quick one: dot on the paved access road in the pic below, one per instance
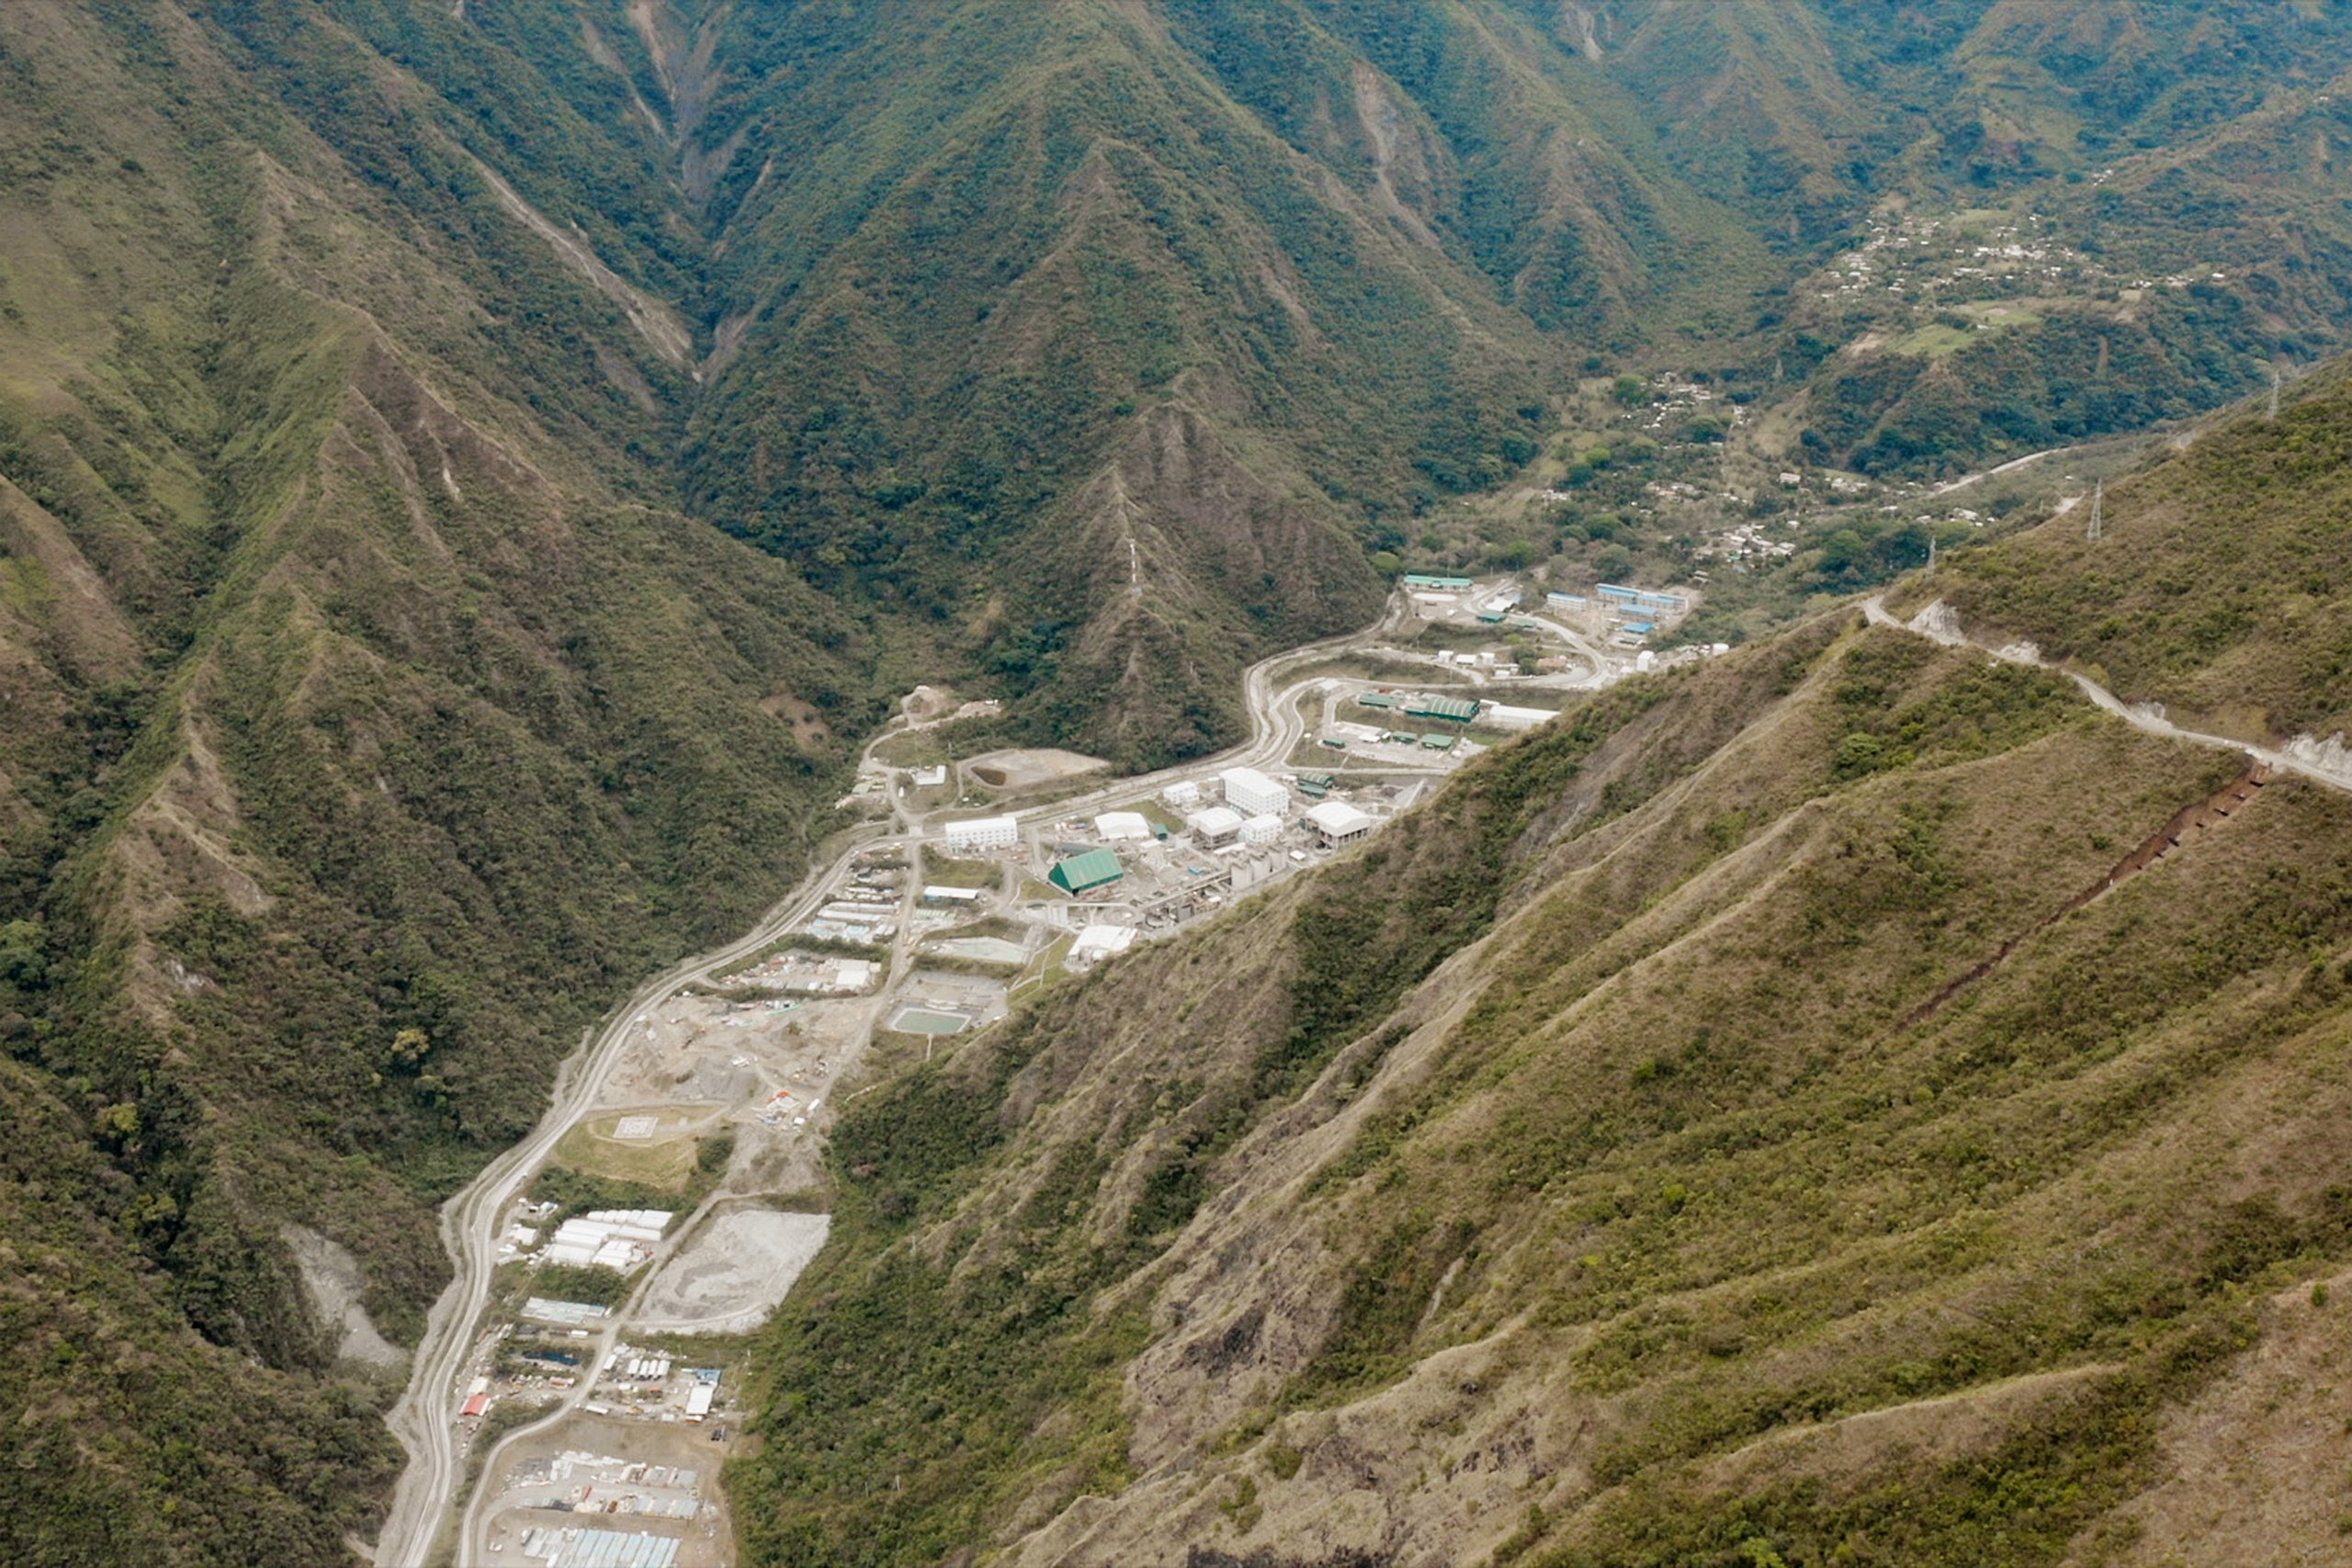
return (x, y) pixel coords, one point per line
(424, 1420)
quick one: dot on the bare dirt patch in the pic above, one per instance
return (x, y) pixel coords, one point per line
(1040, 765)
(734, 1274)
(332, 1279)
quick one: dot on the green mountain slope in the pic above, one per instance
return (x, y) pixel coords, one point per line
(366, 729)
(469, 473)
(2219, 585)
(1788, 1110)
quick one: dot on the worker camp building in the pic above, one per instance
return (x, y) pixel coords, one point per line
(982, 834)
(1082, 873)
(1252, 794)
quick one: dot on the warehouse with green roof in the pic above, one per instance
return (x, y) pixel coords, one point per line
(1085, 873)
(1459, 710)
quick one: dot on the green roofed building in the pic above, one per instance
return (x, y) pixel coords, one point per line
(1423, 579)
(1376, 699)
(1085, 873)
(1438, 742)
(1460, 710)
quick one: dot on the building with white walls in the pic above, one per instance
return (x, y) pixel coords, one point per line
(1252, 794)
(982, 833)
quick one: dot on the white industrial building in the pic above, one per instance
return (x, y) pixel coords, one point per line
(1252, 794)
(608, 1238)
(1336, 824)
(1215, 828)
(983, 833)
(1119, 826)
(931, 777)
(1183, 794)
(1100, 941)
(1504, 717)
(1265, 830)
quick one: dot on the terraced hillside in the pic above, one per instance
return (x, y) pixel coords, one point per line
(1781, 1112)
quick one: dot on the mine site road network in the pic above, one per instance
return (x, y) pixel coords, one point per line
(470, 1220)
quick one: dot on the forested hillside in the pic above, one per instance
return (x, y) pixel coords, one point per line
(367, 721)
(1805, 1108)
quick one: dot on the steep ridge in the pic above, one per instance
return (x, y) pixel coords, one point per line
(2218, 586)
(1584, 1172)
(362, 727)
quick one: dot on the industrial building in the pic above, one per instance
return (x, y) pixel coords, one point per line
(1504, 717)
(981, 834)
(1455, 710)
(1096, 942)
(1264, 829)
(1617, 597)
(619, 1239)
(1086, 872)
(1215, 828)
(931, 777)
(1336, 824)
(952, 897)
(1252, 794)
(1183, 794)
(1443, 585)
(1119, 827)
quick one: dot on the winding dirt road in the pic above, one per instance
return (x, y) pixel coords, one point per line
(1944, 628)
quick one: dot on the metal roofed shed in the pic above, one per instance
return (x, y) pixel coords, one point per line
(1086, 872)
(1336, 824)
(1424, 579)
(1459, 710)
(1118, 826)
(1376, 699)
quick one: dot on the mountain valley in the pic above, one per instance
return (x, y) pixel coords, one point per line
(1806, 1081)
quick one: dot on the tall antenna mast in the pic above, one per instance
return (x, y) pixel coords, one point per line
(2098, 512)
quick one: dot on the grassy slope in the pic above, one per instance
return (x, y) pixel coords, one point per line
(351, 692)
(1661, 1225)
(2218, 586)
